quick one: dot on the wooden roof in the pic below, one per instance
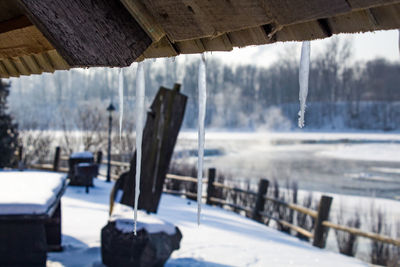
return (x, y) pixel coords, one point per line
(48, 35)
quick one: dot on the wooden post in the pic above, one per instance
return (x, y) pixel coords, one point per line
(320, 231)
(99, 157)
(20, 151)
(210, 185)
(56, 162)
(260, 200)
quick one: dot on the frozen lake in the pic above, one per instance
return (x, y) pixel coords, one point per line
(365, 164)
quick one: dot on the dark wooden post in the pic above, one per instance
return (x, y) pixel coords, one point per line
(320, 231)
(260, 201)
(99, 157)
(210, 185)
(56, 162)
(20, 151)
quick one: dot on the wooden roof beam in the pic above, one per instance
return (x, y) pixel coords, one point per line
(89, 33)
(14, 24)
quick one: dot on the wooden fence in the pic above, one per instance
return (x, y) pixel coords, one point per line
(321, 216)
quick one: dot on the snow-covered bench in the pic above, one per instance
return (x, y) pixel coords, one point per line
(30, 216)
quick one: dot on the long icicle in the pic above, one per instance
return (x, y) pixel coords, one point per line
(121, 100)
(303, 80)
(140, 96)
(201, 132)
(399, 41)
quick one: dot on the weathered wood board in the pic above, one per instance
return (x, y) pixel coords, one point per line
(89, 33)
(163, 123)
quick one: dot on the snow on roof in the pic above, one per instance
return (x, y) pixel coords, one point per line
(123, 217)
(28, 192)
(84, 154)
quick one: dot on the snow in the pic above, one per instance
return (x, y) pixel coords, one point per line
(201, 132)
(28, 192)
(140, 111)
(303, 79)
(121, 100)
(84, 154)
(223, 239)
(124, 221)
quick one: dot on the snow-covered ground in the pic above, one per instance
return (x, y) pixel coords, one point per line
(223, 238)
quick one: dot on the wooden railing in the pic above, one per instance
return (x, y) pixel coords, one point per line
(258, 213)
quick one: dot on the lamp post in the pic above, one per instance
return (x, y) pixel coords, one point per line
(110, 109)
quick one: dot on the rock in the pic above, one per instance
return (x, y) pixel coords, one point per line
(119, 249)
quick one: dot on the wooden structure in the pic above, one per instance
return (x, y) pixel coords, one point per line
(48, 35)
(26, 238)
(160, 133)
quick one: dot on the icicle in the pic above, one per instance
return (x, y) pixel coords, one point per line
(140, 111)
(201, 133)
(121, 101)
(303, 79)
(399, 41)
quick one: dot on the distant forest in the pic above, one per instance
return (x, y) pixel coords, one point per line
(342, 94)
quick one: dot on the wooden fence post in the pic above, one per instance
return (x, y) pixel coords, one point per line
(320, 231)
(56, 162)
(260, 200)
(20, 151)
(99, 157)
(210, 185)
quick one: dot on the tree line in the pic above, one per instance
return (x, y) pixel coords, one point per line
(342, 93)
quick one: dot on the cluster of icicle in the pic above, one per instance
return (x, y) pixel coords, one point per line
(140, 111)
(201, 132)
(303, 79)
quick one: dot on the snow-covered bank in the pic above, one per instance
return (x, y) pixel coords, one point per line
(223, 238)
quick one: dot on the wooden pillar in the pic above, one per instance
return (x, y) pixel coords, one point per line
(210, 185)
(260, 200)
(320, 231)
(56, 162)
(99, 157)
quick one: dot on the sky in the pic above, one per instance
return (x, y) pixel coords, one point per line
(366, 46)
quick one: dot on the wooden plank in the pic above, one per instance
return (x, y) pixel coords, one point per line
(89, 33)
(139, 11)
(9, 9)
(43, 62)
(57, 61)
(224, 202)
(14, 24)
(358, 232)
(239, 190)
(200, 18)
(287, 12)
(21, 66)
(10, 67)
(363, 4)
(384, 18)
(33, 65)
(162, 48)
(295, 207)
(21, 42)
(159, 137)
(3, 71)
(251, 36)
(301, 32)
(289, 225)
